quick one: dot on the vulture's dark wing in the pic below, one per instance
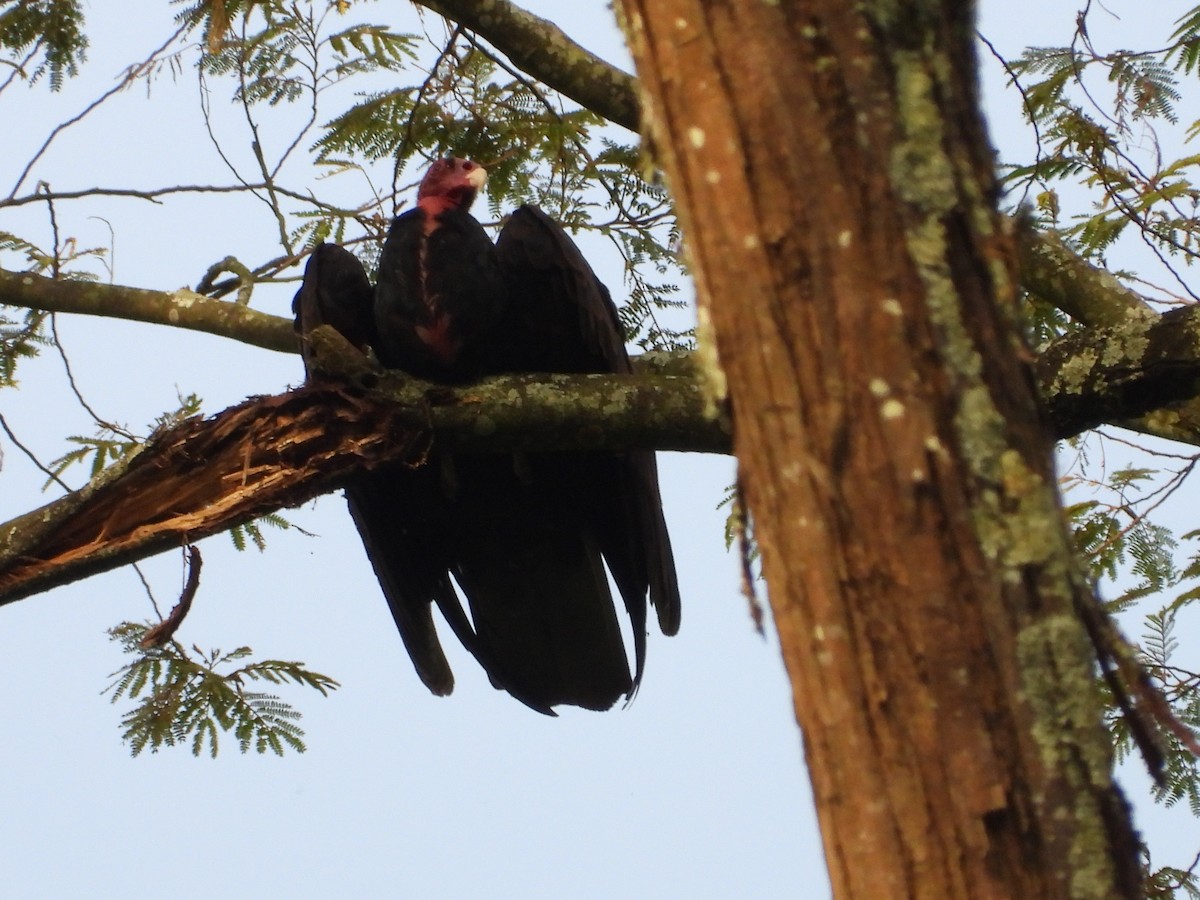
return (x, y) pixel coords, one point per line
(336, 292)
(542, 619)
(524, 535)
(391, 506)
(562, 319)
(402, 521)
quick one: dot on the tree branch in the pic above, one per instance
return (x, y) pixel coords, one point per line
(1121, 372)
(1132, 367)
(208, 475)
(541, 49)
(1087, 294)
(182, 308)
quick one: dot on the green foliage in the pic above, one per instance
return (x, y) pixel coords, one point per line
(1121, 544)
(1181, 772)
(1104, 121)
(278, 60)
(104, 449)
(20, 338)
(185, 699)
(252, 531)
(112, 444)
(1168, 881)
(1086, 105)
(45, 34)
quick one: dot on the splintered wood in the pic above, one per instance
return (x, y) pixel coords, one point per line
(205, 476)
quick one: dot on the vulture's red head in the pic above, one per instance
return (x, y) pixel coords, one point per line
(450, 183)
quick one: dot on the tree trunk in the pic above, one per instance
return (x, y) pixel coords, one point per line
(836, 192)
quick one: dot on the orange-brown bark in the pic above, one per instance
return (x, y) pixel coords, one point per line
(205, 476)
(836, 193)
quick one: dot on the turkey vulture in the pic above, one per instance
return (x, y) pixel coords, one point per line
(525, 535)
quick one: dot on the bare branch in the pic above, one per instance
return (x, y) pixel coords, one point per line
(541, 49)
(153, 194)
(165, 630)
(1087, 294)
(208, 475)
(131, 74)
(182, 308)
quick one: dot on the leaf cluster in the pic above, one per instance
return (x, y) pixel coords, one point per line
(1097, 116)
(285, 54)
(23, 337)
(190, 699)
(43, 36)
(1103, 121)
(1121, 544)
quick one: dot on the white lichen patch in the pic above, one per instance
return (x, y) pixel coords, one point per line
(1131, 346)
(618, 402)
(1073, 374)
(184, 299)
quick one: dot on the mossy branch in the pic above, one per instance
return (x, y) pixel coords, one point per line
(1123, 372)
(540, 48)
(208, 475)
(1089, 295)
(182, 308)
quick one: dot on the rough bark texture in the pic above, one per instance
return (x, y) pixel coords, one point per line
(836, 194)
(1132, 368)
(208, 475)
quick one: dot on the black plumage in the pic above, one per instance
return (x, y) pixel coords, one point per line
(525, 536)
(337, 292)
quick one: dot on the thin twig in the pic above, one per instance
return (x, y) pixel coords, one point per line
(99, 420)
(130, 76)
(165, 630)
(16, 443)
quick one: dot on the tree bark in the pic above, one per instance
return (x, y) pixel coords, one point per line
(208, 475)
(836, 194)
